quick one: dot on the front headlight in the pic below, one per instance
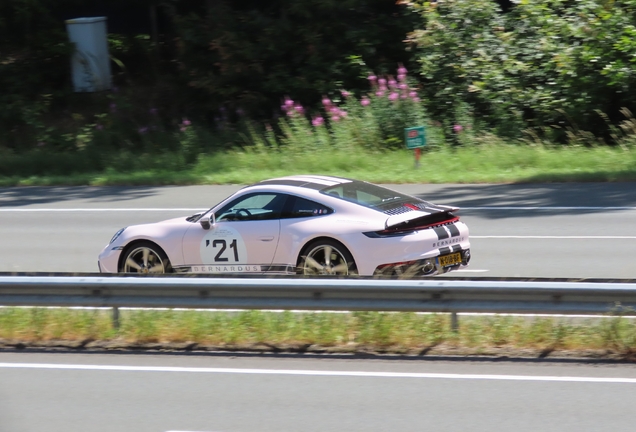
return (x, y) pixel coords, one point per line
(117, 234)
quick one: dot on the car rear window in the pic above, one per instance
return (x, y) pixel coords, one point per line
(368, 195)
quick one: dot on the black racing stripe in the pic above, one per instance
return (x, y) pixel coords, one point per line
(444, 251)
(279, 268)
(453, 230)
(456, 248)
(298, 183)
(441, 233)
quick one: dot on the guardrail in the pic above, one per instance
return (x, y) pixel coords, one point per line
(429, 295)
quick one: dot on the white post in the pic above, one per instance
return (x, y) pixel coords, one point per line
(90, 64)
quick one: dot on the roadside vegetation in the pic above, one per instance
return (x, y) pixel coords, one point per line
(373, 332)
(491, 162)
(508, 91)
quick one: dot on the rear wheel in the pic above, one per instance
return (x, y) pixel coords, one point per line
(145, 258)
(326, 257)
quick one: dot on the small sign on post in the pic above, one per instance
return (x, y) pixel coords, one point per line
(415, 138)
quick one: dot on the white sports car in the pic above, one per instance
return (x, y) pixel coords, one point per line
(311, 225)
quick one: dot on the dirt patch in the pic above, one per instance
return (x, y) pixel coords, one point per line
(441, 350)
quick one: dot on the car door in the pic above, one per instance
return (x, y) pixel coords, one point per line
(243, 239)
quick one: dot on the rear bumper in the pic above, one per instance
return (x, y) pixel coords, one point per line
(422, 267)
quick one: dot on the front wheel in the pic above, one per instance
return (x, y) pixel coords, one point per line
(326, 257)
(145, 258)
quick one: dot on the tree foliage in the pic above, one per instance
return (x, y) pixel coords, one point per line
(545, 63)
(248, 54)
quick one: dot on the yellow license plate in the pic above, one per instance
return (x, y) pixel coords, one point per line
(450, 260)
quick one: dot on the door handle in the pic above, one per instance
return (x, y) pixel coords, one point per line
(266, 238)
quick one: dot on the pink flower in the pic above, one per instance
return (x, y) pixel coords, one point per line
(402, 70)
(458, 128)
(372, 78)
(401, 78)
(392, 83)
(183, 128)
(404, 86)
(326, 101)
(382, 81)
(413, 93)
(289, 103)
(416, 99)
(343, 114)
(365, 101)
(186, 122)
(393, 96)
(335, 118)
(345, 93)
(334, 110)
(379, 93)
(299, 108)
(317, 121)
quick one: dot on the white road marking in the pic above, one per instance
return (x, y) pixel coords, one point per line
(556, 237)
(470, 271)
(362, 374)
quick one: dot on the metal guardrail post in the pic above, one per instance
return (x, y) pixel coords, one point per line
(116, 322)
(454, 322)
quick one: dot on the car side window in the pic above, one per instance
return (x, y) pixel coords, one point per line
(253, 207)
(301, 207)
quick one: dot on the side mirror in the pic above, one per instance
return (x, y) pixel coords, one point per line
(207, 220)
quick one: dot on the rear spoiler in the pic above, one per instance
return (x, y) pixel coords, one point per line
(402, 218)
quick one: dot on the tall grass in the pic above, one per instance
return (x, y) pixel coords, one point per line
(491, 162)
(383, 332)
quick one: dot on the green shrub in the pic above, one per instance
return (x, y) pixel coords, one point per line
(548, 65)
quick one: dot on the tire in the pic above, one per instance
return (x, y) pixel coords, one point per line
(144, 258)
(326, 257)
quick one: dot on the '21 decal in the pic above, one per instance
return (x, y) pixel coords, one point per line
(223, 245)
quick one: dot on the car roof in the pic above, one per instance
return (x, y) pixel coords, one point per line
(316, 182)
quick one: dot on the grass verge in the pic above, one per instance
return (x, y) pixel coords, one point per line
(396, 333)
(484, 163)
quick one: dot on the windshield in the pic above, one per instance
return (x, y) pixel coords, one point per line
(369, 195)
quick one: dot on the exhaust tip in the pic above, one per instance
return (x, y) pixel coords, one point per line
(466, 257)
(428, 266)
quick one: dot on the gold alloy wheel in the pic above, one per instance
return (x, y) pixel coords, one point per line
(326, 258)
(144, 260)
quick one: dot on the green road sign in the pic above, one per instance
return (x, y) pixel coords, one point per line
(415, 137)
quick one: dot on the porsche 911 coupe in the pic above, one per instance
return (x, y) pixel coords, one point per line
(304, 224)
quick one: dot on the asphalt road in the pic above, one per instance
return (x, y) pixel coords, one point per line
(153, 393)
(546, 230)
